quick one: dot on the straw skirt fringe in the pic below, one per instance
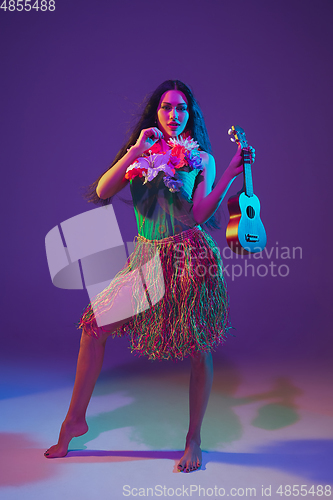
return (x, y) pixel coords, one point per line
(176, 292)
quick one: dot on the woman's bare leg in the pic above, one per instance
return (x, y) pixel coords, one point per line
(89, 364)
(200, 386)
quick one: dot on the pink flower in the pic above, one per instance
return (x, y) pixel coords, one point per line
(179, 153)
(155, 148)
(174, 161)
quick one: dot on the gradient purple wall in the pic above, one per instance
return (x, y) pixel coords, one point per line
(70, 83)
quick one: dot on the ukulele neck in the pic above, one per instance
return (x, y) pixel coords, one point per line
(248, 184)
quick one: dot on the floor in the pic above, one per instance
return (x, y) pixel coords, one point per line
(268, 429)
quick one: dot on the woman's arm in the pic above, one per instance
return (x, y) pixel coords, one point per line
(206, 201)
(113, 180)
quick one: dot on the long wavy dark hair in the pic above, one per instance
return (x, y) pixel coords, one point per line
(195, 126)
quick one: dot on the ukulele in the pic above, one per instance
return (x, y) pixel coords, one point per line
(245, 231)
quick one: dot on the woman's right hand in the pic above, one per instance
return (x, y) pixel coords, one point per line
(147, 138)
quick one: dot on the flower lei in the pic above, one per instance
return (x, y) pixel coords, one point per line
(183, 152)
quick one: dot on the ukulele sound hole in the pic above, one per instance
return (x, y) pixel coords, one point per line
(250, 212)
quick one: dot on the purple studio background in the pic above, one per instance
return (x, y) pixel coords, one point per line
(70, 87)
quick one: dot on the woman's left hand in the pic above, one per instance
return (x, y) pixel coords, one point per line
(236, 164)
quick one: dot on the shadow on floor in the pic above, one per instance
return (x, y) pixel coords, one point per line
(311, 459)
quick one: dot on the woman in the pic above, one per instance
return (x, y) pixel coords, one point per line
(171, 172)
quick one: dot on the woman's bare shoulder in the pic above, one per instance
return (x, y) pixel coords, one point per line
(206, 157)
(208, 162)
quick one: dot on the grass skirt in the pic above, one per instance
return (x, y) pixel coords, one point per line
(173, 293)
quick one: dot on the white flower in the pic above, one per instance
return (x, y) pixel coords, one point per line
(188, 143)
(154, 164)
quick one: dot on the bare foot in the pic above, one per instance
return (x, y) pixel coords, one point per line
(192, 458)
(67, 432)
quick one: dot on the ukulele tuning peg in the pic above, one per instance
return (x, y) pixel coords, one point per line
(232, 135)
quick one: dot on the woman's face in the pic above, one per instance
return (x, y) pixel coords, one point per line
(172, 113)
